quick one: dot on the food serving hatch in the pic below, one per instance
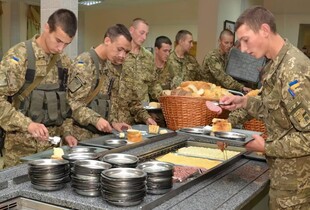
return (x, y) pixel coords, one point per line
(193, 180)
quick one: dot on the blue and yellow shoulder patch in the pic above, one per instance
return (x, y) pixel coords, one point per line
(14, 60)
(80, 63)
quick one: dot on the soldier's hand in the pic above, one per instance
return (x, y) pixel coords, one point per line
(121, 126)
(71, 141)
(246, 89)
(150, 121)
(234, 102)
(257, 145)
(38, 130)
(103, 125)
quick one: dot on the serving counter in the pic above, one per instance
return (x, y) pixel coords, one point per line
(238, 185)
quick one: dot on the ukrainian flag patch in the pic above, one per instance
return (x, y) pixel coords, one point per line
(80, 63)
(14, 60)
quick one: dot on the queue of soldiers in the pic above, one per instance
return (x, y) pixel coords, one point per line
(44, 93)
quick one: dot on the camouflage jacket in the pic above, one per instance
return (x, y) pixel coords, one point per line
(140, 74)
(163, 77)
(213, 68)
(285, 109)
(182, 69)
(123, 98)
(12, 77)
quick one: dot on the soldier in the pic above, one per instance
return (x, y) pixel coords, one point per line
(95, 91)
(33, 74)
(215, 62)
(181, 64)
(139, 72)
(284, 107)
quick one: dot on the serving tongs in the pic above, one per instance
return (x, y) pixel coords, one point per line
(54, 140)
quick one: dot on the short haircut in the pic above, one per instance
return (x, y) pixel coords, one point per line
(254, 17)
(118, 30)
(226, 32)
(65, 19)
(162, 40)
(181, 34)
(136, 22)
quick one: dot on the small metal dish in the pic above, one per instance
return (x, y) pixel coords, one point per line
(155, 166)
(124, 173)
(80, 156)
(115, 142)
(82, 150)
(194, 130)
(231, 135)
(120, 159)
(47, 162)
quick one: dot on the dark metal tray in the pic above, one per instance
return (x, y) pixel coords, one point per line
(254, 156)
(49, 153)
(227, 140)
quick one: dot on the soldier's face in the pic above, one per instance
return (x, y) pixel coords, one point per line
(163, 52)
(226, 43)
(187, 43)
(118, 49)
(56, 41)
(252, 42)
(139, 33)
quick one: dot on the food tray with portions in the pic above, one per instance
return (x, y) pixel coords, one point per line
(102, 140)
(210, 135)
(48, 153)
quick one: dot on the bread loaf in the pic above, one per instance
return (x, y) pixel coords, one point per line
(220, 125)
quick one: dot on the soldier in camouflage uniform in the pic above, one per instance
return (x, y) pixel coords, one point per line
(139, 71)
(284, 107)
(28, 128)
(94, 114)
(214, 63)
(183, 66)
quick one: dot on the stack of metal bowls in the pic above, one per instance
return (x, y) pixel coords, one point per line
(78, 149)
(119, 160)
(72, 157)
(123, 186)
(86, 176)
(48, 174)
(159, 176)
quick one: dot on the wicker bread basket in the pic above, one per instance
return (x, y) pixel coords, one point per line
(255, 125)
(185, 111)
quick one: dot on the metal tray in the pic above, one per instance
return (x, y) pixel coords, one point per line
(240, 143)
(196, 130)
(231, 135)
(254, 156)
(48, 153)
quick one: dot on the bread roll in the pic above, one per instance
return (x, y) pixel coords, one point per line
(221, 125)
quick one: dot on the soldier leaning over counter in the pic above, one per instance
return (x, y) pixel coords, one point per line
(283, 106)
(33, 75)
(183, 66)
(95, 91)
(215, 62)
(139, 73)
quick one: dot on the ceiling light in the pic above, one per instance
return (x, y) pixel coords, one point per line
(89, 2)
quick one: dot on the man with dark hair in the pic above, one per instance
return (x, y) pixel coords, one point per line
(181, 64)
(139, 74)
(214, 64)
(33, 76)
(284, 107)
(94, 85)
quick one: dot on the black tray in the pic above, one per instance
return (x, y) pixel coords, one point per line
(254, 156)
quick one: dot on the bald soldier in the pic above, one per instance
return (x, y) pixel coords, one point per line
(95, 91)
(33, 75)
(214, 64)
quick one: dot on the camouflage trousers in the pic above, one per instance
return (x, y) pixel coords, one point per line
(83, 134)
(287, 200)
(21, 144)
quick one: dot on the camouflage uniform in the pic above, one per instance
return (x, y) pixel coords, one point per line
(164, 77)
(238, 117)
(213, 67)
(83, 69)
(18, 142)
(286, 113)
(183, 69)
(139, 72)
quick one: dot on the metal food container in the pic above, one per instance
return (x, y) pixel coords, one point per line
(121, 160)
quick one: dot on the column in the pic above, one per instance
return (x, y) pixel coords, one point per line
(48, 7)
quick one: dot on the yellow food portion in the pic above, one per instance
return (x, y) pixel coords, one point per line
(154, 104)
(57, 153)
(163, 131)
(121, 135)
(188, 161)
(153, 129)
(207, 152)
(221, 125)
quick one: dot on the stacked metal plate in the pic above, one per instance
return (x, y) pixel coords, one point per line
(159, 176)
(76, 155)
(48, 174)
(120, 160)
(86, 176)
(123, 186)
